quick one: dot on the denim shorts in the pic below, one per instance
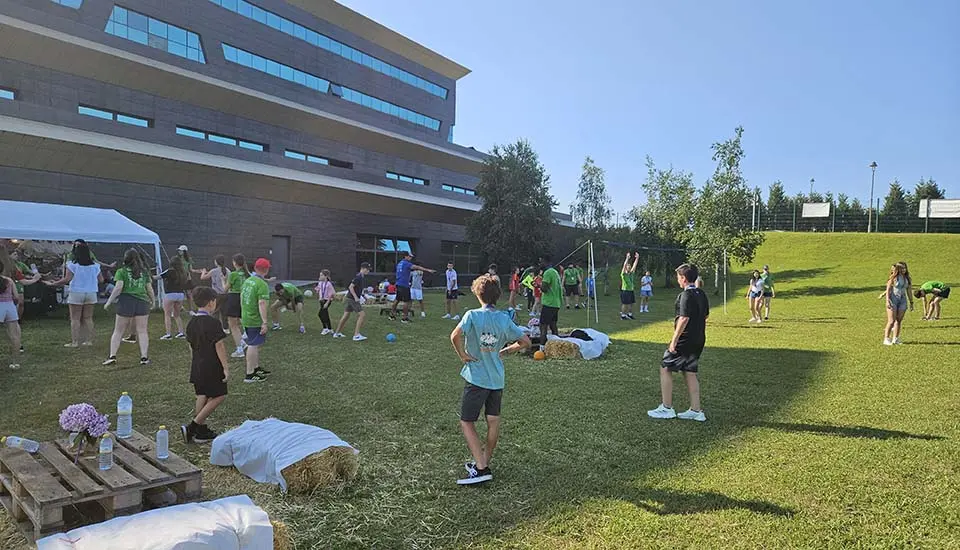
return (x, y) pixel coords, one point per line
(897, 303)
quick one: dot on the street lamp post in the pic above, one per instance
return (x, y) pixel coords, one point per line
(811, 187)
(873, 176)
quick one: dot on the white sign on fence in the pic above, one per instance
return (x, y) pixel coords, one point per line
(940, 208)
(816, 210)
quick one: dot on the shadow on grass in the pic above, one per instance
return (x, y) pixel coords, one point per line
(668, 503)
(796, 274)
(931, 343)
(845, 431)
(825, 291)
(750, 327)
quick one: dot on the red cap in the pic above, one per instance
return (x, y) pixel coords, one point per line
(261, 263)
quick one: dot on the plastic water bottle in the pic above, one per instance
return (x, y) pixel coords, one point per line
(106, 452)
(512, 314)
(15, 442)
(163, 443)
(124, 416)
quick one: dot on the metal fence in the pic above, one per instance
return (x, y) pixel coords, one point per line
(788, 217)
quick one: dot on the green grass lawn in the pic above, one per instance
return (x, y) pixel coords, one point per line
(818, 436)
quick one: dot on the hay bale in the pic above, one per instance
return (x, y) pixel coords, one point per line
(332, 466)
(561, 349)
(282, 539)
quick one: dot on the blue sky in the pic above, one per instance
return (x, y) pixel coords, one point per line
(821, 87)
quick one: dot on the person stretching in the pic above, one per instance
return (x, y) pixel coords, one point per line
(932, 293)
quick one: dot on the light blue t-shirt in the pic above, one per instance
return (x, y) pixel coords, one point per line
(486, 331)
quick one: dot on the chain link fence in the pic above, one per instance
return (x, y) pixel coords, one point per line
(788, 217)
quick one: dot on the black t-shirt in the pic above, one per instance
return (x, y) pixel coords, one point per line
(692, 303)
(203, 333)
(357, 283)
(175, 282)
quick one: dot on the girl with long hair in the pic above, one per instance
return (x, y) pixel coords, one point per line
(755, 297)
(133, 294)
(184, 254)
(218, 282)
(231, 308)
(82, 273)
(9, 298)
(176, 287)
(514, 286)
(897, 293)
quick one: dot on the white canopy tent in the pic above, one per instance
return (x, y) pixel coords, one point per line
(58, 222)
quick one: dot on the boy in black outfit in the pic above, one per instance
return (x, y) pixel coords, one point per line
(209, 370)
(683, 353)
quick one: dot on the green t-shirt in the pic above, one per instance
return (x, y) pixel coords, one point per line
(767, 280)
(236, 279)
(254, 289)
(134, 287)
(627, 281)
(552, 293)
(930, 285)
(291, 291)
(571, 276)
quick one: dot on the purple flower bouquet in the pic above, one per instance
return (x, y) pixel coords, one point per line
(85, 424)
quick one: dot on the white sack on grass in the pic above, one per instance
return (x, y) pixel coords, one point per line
(261, 449)
(588, 349)
(234, 523)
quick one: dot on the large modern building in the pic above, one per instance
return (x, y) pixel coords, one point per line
(297, 129)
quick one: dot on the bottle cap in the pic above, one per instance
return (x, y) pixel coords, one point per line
(3, 439)
(162, 427)
(123, 393)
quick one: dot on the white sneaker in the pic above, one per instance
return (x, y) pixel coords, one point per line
(423, 314)
(456, 317)
(359, 338)
(237, 353)
(325, 332)
(662, 412)
(897, 342)
(447, 316)
(691, 414)
(339, 335)
(887, 342)
(753, 319)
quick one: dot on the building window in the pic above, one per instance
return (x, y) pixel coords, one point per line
(114, 116)
(450, 134)
(381, 252)
(407, 179)
(272, 68)
(157, 34)
(290, 74)
(7, 93)
(318, 160)
(75, 4)
(222, 139)
(460, 190)
(318, 40)
(465, 256)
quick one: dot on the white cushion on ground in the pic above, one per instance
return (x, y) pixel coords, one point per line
(234, 523)
(588, 349)
(262, 448)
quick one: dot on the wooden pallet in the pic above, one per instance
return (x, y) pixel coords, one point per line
(47, 493)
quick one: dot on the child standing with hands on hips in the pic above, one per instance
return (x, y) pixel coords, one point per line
(479, 341)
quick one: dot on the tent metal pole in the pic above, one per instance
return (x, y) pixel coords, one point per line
(159, 301)
(724, 281)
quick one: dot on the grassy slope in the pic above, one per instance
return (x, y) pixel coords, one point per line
(818, 436)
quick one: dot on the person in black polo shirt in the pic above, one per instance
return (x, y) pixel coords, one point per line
(683, 354)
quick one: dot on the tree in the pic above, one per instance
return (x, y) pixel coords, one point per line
(664, 220)
(776, 203)
(925, 189)
(592, 210)
(895, 206)
(718, 224)
(514, 224)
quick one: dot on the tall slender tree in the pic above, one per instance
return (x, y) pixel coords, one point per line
(591, 210)
(776, 205)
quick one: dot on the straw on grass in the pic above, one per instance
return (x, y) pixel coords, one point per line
(282, 539)
(561, 349)
(332, 466)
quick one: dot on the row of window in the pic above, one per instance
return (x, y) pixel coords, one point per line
(317, 160)
(382, 253)
(407, 179)
(461, 190)
(146, 30)
(6, 93)
(115, 116)
(75, 4)
(323, 86)
(225, 140)
(466, 257)
(314, 38)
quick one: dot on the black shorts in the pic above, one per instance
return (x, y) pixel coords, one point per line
(476, 398)
(571, 290)
(767, 294)
(627, 297)
(453, 294)
(210, 388)
(130, 306)
(231, 308)
(549, 317)
(685, 360)
(403, 294)
(945, 292)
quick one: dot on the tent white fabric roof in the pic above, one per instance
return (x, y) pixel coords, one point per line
(57, 222)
